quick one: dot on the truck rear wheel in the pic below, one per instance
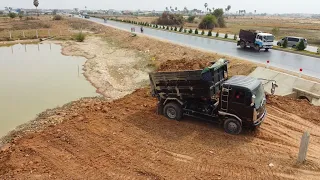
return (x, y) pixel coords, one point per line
(242, 44)
(173, 110)
(232, 126)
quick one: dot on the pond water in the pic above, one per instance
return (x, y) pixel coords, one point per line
(37, 77)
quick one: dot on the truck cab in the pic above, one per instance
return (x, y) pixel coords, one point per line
(243, 98)
(255, 39)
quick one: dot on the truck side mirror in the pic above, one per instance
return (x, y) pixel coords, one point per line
(273, 88)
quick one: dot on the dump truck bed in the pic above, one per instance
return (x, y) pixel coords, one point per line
(188, 84)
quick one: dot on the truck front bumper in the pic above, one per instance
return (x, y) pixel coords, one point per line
(267, 47)
(261, 119)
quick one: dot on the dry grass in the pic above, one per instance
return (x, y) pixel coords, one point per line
(45, 26)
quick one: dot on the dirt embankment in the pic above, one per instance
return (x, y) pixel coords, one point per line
(125, 139)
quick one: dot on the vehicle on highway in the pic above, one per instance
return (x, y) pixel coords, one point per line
(255, 39)
(86, 16)
(209, 95)
(292, 41)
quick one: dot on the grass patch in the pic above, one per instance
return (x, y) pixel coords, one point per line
(80, 37)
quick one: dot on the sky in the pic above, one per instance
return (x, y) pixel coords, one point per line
(267, 6)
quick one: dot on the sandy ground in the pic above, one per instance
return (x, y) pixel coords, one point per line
(115, 72)
(125, 139)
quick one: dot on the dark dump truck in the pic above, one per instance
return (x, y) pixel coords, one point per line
(255, 39)
(209, 95)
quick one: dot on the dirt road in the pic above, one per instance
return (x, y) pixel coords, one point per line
(125, 139)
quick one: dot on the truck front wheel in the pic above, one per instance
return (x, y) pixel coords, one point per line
(173, 110)
(232, 126)
(257, 47)
(242, 44)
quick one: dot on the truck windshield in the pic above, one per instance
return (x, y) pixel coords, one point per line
(268, 38)
(259, 93)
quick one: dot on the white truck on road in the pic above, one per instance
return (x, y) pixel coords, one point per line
(255, 39)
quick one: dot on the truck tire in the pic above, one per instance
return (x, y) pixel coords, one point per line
(242, 44)
(266, 50)
(173, 111)
(232, 126)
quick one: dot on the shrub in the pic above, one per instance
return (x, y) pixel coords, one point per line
(285, 43)
(170, 19)
(181, 28)
(210, 33)
(191, 19)
(175, 28)
(217, 34)
(12, 15)
(202, 33)
(218, 13)
(21, 14)
(185, 30)
(80, 37)
(275, 31)
(30, 18)
(226, 36)
(196, 31)
(208, 22)
(235, 37)
(167, 28)
(57, 17)
(190, 31)
(156, 25)
(301, 46)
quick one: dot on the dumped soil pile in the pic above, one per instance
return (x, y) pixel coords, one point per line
(300, 107)
(125, 139)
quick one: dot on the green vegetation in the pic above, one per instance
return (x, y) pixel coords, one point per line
(12, 15)
(190, 31)
(301, 46)
(21, 13)
(210, 33)
(196, 31)
(275, 31)
(185, 30)
(170, 19)
(285, 43)
(208, 22)
(217, 34)
(202, 33)
(226, 36)
(80, 37)
(218, 13)
(181, 28)
(235, 37)
(167, 28)
(175, 28)
(191, 19)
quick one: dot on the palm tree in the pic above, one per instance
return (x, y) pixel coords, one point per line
(205, 5)
(228, 8)
(36, 4)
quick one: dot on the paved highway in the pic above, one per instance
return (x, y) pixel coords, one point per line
(279, 59)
